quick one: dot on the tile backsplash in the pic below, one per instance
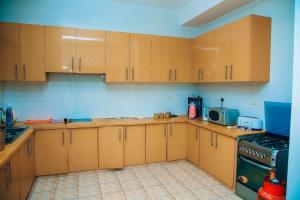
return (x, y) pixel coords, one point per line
(88, 96)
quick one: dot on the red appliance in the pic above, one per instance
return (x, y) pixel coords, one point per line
(272, 189)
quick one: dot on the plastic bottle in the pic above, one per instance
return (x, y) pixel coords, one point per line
(9, 117)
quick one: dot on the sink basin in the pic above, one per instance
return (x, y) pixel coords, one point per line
(13, 133)
(80, 120)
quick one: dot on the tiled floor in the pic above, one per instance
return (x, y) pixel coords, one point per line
(173, 180)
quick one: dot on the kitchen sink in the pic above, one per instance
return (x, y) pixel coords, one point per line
(13, 133)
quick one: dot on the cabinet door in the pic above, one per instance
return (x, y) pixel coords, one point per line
(176, 141)
(225, 159)
(134, 145)
(13, 180)
(203, 57)
(162, 59)
(51, 152)
(91, 51)
(193, 142)
(60, 49)
(182, 60)
(111, 147)
(32, 39)
(3, 181)
(240, 40)
(117, 57)
(156, 143)
(222, 49)
(27, 167)
(83, 149)
(140, 58)
(9, 51)
(207, 151)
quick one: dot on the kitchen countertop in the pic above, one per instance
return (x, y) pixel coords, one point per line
(11, 148)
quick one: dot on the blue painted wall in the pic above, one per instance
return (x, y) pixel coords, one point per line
(97, 14)
(249, 98)
(294, 156)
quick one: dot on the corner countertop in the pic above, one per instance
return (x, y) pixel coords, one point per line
(10, 149)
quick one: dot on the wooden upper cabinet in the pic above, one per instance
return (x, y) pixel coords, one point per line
(250, 43)
(90, 51)
(32, 39)
(111, 147)
(51, 152)
(9, 51)
(117, 57)
(162, 59)
(156, 143)
(134, 145)
(182, 50)
(140, 58)
(83, 149)
(60, 49)
(176, 141)
(203, 58)
(222, 52)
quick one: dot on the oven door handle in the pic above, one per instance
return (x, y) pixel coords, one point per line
(254, 163)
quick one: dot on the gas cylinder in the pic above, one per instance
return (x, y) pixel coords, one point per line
(272, 189)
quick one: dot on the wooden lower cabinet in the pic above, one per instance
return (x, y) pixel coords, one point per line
(51, 152)
(176, 147)
(27, 167)
(134, 145)
(111, 147)
(217, 155)
(83, 149)
(193, 144)
(156, 143)
(10, 179)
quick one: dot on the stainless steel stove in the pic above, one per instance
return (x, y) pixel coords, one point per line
(260, 154)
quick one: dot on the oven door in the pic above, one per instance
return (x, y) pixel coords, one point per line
(250, 173)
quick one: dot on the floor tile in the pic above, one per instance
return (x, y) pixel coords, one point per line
(110, 187)
(166, 178)
(130, 184)
(88, 190)
(143, 172)
(221, 190)
(166, 197)
(126, 176)
(187, 195)
(44, 184)
(149, 181)
(42, 196)
(193, 184)
(175, 187)
(231, 197)
(67, 182)
(204, 193)
(136, 194)
(114, 196)
(107, 177)
(156, 191)
(65, 194)
(184, 176)
(98, 197)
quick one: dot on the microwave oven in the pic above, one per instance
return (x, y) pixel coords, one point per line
(223, 116)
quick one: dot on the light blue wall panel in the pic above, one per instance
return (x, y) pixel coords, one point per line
(249, 98)
(88, 96)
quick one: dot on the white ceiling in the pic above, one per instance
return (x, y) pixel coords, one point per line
(165, 4)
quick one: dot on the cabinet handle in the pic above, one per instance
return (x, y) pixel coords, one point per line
(24, 72)
(9, 174)
(175, 75)
(216, 144)
(79, 67)
(198, 74)
(16, 72)
(171, 131)
(63, 138)
(126, 74)
(196, 133)
(120, 132)
(71, 137)
(165, 130)
(231, 72)
(29, 147)
(202, 76)
(125, 133)
(226, 72)
(72, 64)
(6, 176)
(133, 74)
(211, 139)
(170, 75)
